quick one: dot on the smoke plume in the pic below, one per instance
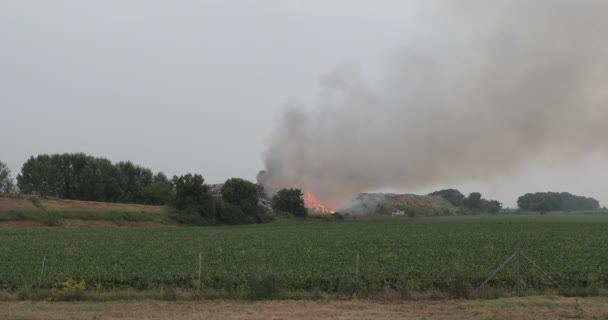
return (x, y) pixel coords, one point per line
(481, 89)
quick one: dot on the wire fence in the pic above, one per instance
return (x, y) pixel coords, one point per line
(466, 285)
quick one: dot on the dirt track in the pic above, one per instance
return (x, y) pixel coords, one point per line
(524, 308)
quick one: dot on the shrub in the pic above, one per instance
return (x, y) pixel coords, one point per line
(290, 200)
(229, 213)
(72, 285)
(242, 194)
(262, 286)
(52, 219)
(188, 217)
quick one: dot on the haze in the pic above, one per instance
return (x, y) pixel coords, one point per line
(198, 86)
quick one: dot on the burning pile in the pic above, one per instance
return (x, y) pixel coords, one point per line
(313, 204)
(310, 200)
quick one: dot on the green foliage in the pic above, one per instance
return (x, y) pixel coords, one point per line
(263, 214)
(132, 181)
(7, 185)
(452, 254)
(194, 204)
(242, 194)
(192, 195)
(81, 177)
(52, 219)
(229, 213)
(188, 216)
(160, 192)
(473, 203)
(553, 201)
(290, 200)
(452, 195)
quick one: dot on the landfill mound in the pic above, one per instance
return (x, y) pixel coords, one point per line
(390, 204)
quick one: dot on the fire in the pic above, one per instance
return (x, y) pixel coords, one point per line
(313, 203)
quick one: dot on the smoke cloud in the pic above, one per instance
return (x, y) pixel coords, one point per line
(481, 89)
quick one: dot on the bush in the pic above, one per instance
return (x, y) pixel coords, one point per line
(229, 213)
(191, 194)
(242, 194)
(459, 286)
(290, 200)
(263, 286)
(188, 216)
(264, 214)
(52, 219)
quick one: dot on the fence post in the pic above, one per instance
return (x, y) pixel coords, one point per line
(357, 266)
(519, 291)
(41, 272)
(200, 270)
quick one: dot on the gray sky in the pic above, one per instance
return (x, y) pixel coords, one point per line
(195, 86)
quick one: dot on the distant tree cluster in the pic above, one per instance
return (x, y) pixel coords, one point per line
(554, 201)
(474, 202)
(78, 176)
(453, 196)
(7, 185)
(195, 205)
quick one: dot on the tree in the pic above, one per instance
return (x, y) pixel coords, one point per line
(290, 200)
(160, 192)
(6, 181)
(191, 193)
(241, 193)
(452, 195)
(492, 206)
(132, 180)
(40, 176)
(473, 201)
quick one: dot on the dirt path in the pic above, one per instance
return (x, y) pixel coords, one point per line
(523, 308)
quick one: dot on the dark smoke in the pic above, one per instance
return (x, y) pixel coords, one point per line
(482, 89)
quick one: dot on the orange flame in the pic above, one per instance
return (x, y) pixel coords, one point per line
(313, 203)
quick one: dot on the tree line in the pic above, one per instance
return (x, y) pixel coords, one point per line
(78, 176)
(554, 201)
(473, 203)
(237, 204)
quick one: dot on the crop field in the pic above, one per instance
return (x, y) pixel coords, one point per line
(444, 253)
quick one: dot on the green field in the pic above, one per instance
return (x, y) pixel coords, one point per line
(445, 253)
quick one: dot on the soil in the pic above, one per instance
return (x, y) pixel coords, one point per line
(510, 308)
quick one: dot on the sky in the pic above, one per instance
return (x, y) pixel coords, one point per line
(197, 86)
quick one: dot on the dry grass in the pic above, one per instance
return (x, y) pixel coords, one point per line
(16, 204)
(91, 206)
(30, 212)
(29, 204)
(513, 308)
